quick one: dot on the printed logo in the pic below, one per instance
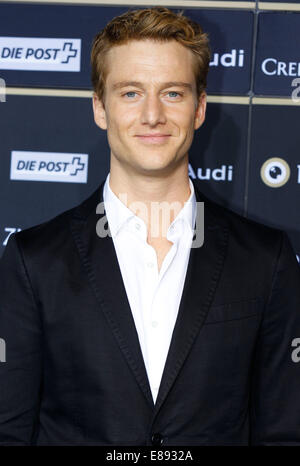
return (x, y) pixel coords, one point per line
(218, 174)
(275, 172)
(49, 166)
(274, 67)
(233, 59)
(40, 54)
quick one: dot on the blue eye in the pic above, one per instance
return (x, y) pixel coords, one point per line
(130, 92)
(174, 92)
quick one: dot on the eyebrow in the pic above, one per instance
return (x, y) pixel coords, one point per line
(121, 84)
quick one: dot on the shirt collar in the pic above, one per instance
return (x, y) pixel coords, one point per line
(118, 214)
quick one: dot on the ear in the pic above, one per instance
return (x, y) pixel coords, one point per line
(200, 111)
(99, 112)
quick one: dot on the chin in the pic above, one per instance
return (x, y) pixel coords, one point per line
(154, 169)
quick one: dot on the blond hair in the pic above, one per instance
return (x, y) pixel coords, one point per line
(159, 24)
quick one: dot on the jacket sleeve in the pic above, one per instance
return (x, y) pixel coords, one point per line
(275, 382)
(21, 359)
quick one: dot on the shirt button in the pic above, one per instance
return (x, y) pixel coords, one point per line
(150, 265)
(154, 323)
(157, 439)
(137, 226)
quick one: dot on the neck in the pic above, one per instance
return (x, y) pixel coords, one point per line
(156, 199)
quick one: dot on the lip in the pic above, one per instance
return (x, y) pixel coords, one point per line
(153, 138)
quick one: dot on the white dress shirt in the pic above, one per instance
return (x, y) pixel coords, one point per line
(153, 296)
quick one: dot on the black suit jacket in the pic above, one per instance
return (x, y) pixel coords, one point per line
(74, 371)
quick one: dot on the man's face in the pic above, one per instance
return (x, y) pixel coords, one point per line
(150, 107)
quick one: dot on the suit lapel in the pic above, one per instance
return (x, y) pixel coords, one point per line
(101, 265)
(203, 273)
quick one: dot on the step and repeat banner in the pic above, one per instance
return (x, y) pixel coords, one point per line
(246, 155)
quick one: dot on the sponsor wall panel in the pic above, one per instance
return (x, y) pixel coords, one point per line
(230, 33)
(274, 194)
(218, 154)
(75, 25)
(49, 45)
(277, 53)
(63, 127)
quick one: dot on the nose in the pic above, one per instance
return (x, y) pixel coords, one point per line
(152, 111)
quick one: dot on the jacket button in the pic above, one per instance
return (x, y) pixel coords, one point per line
(157, 439)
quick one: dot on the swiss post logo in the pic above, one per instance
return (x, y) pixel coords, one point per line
(40, 54)
(49, 166)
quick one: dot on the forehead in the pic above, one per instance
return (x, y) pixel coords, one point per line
(150, 59)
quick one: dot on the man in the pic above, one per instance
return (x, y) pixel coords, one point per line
(118, 331)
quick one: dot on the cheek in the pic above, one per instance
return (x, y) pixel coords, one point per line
(116, 123)
(118, 130)
(183, 117)
(185, 128)
(121, 120)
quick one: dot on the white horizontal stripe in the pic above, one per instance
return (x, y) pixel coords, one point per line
(279, 6)
(175, 3)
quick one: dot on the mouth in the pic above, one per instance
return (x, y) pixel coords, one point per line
(153, 138)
